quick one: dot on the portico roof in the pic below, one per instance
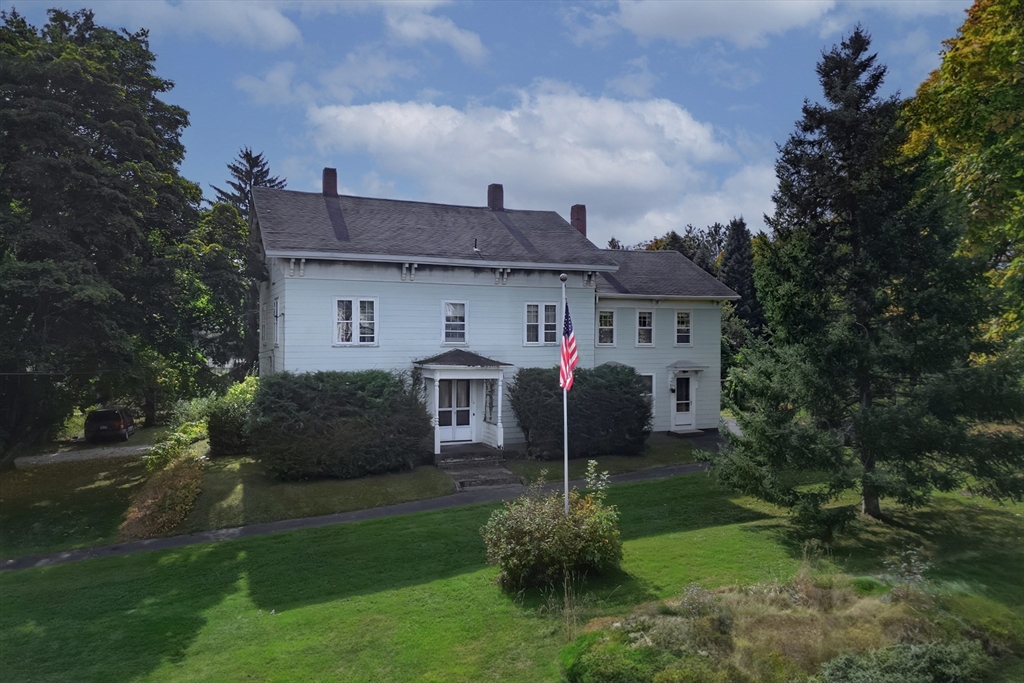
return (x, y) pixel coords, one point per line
(462, 359)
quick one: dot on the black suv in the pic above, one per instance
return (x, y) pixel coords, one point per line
(109, 423)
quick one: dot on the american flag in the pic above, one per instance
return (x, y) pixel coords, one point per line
(569, 357)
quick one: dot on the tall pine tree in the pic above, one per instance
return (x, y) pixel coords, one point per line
(247, 171)
(737, 272)
(867, 381)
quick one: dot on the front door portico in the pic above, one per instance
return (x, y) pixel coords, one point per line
(464, 395)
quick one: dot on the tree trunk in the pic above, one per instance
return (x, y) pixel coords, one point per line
(869, 500)
(149, 406)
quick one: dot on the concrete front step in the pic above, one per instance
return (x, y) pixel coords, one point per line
(447, 463)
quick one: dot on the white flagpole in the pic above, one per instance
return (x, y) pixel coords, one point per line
(565, 407)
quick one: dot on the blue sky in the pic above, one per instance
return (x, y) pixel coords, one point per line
(653, 113)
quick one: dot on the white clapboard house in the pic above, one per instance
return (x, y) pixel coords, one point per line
(468, 294)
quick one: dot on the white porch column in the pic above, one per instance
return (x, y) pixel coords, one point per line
(434, 420)
(501, 392)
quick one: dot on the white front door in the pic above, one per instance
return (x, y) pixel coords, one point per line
(682, 406)
(454, 416)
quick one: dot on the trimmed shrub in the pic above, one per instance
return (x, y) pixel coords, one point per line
(608, 411)
(192, 410)
(958, 662)
(535, 544)
(337, 424)
(228, 418)
(165, 500)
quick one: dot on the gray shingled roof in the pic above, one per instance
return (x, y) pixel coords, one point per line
(461, 358)
(308, 222)
(659, 273)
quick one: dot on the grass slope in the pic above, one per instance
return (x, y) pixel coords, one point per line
(411, 599)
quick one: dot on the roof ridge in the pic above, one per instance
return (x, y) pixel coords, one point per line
(402, 201)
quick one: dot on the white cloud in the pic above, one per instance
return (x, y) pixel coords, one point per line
(250, 22)
(744, 23)
(727, 74)
(636, 82)
(637, 164)
(363, 72)
(276, 87)
(410, 25)
(366, 72)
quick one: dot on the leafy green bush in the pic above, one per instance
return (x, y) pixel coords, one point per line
(337, 424)
(958, 662)
(599, 658)
(174, 444)
(192, 410)
(608, 411)
(535, 544)
(228, 417)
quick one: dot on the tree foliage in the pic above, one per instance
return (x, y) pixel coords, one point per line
(867, 383)
(970, 114)
(737, 272)
(249, 170)
(703, 247)
(92, 206)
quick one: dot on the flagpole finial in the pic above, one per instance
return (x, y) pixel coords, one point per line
(563, 277)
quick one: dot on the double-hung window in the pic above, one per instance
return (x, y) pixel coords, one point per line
(682, 328)
(454, 322)
(645, 328)
(541, 323)
(606, 328)
(355, 322)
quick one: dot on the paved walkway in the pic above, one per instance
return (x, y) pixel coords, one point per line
(441, 503)
(83, 454)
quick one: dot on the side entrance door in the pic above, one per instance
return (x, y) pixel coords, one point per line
(682, 406)
(454, 417)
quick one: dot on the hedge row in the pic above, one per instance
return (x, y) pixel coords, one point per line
(338, 424)
(609, 412)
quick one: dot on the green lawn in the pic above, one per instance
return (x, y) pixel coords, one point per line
(411, 599)
(65, 505)
(236, 492)
(660, 451)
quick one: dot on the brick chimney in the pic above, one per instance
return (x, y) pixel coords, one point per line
(330, 182)
(578, 218)
(495, 197)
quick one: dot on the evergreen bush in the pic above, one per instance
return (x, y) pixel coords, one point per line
(228, 418)
(535, 544)
(609, 412)
(337, 424)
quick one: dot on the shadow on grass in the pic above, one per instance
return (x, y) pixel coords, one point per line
(297, 569)
(111, 620)
(965, 540)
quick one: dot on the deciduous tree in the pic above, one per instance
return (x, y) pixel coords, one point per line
(92, 208)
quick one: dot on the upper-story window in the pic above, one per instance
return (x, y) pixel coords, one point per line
(541, 323)
(355, 321)
(645, 328)
(606, 328)
(454, 322)
(683, 328)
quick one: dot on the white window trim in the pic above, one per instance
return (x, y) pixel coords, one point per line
(277, 321)
(638, 328)
(540, 323)
(444, 341)
(675, 326)
(355, 321)
(654, 389)
(597, 327)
